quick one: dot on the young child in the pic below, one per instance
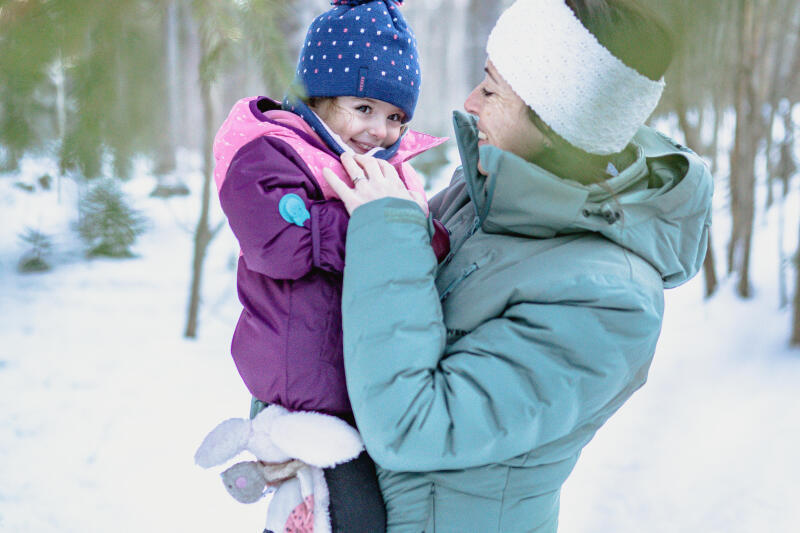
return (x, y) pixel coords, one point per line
(357, 87)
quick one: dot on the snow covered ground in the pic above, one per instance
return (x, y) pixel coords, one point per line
(103, 403)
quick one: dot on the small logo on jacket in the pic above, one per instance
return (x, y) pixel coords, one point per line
(455, 334)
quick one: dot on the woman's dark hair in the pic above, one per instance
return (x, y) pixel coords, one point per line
(567, 161)
(630, 31)
(638, 38)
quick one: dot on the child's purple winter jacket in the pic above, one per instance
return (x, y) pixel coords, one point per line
(288, 342)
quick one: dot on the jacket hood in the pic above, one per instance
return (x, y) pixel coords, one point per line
(659, 207)
(258, 116)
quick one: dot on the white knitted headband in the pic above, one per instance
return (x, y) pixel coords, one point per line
(559, 69)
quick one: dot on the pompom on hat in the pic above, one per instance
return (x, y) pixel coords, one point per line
(361, 48)
(577, 86)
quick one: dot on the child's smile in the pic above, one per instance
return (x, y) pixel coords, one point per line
(363, 123)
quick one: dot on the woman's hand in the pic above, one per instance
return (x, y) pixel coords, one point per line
(373, 179)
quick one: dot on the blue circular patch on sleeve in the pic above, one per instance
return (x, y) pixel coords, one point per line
(293, 209)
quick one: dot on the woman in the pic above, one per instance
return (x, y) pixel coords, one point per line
(477, 382)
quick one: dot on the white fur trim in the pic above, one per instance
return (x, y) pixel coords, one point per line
(261, 443)
(276, 435)
(322, 501)
(316, 439)
(559, 69)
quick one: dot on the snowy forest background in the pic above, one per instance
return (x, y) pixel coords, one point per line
(117, 271)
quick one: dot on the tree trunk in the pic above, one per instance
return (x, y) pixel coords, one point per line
(203, 233)
(742, 180)
(768, 165)
(165, 159)
(735, 155)
(714, 146)
(784, 170)
(59, 79)
(786, 164)
(709, 271)
(783, 296)
(481, 17)
(709, 264)
(690, 133)
(795, 339)
(777, 85)
(693, 140)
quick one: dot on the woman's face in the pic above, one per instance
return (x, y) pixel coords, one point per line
(503, 117)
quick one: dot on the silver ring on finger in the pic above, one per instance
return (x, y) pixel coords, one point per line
(358, 178)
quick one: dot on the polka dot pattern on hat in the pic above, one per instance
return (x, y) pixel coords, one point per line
(361, 48)
(357, 2)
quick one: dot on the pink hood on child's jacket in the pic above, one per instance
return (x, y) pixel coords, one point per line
(243, 125)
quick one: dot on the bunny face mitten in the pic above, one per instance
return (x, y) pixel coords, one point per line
(282, 442)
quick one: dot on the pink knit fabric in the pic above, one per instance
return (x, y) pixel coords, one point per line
(301, 519)
(241, 127)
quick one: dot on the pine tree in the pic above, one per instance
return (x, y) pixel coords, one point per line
(108, 225)
(35, 257)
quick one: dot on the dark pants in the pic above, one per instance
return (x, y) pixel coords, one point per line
(356, 502)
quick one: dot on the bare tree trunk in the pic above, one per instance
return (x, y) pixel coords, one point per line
(165, 161)
(713, 149)
(709, 271)
(768, 165)
(203, 234)
(787, 169)
(59, 79)
(786, 164)
(709, 264)
(693, 140)
(743, 154)
(691, 133)
(784, 169)
(795, 338)
(783, 295)
(777, 82)
(736, 156)
(481, 16)
(789, 84)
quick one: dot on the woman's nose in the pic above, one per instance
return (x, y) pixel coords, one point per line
(471, 103)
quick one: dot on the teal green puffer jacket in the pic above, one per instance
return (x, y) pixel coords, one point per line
(476, 383)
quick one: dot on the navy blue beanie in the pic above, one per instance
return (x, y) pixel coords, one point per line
(361, 48)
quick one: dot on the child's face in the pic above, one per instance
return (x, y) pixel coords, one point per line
(362, 123)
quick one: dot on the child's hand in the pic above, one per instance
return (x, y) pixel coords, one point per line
(373, 179)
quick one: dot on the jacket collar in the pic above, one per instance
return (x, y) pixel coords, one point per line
(308, 126)
(515, 196)
(659, 207)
